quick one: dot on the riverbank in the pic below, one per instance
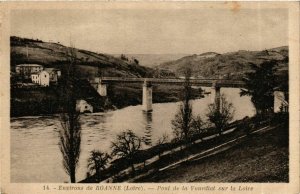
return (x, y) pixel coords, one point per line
(261, 158)
(156, 164)
(47, 100)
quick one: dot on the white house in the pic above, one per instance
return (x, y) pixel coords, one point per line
(42, 78)
(83, 106)
(280, 103)
(35, 78)
(54, 74)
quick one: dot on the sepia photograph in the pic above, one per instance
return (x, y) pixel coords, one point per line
(161, 94)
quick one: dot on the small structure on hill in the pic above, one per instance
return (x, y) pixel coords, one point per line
(42, 78)
(83, 106)
(46, 76)
(38, 74)
(54, 74)
(25, 70)
(280, 103)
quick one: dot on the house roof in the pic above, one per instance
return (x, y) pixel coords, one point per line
(50, 70)
(43, 72)
(29, 65)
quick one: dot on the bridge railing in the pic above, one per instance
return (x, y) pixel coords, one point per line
(204, 82)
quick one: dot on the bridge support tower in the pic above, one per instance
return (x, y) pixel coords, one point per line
(102, 88)
(147, 96)
(216, 95)
(280, 103)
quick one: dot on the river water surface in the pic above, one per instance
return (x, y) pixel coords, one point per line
(35, 154)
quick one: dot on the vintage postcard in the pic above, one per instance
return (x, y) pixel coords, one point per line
(149, 97)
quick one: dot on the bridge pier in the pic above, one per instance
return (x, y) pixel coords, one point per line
(280, 103)
(147, 96)
(102, 88)
(216, 95)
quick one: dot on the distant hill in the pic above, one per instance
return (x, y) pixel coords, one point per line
(230, 65)
(152, 60)
(52, 54)
(209, 65)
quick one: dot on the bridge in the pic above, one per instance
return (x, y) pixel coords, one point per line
(195, 82)
(100, 84)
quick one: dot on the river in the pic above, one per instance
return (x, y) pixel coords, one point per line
(35, 154)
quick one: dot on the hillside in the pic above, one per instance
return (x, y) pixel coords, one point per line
(153, 60)
(52, 54)
(230, 65)
(264, 157)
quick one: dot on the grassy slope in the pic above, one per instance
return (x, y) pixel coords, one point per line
(263, 158)
(46, 101)
(28, 102)
(152, 60)
(235, 64)
(54, 55)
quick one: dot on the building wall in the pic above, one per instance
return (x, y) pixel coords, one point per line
(53, 76)
(28, 69)
(280, 103)
(82, 106)
(44, 78)
(35, 78)
(58, 73)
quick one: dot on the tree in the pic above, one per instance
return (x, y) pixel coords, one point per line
(162, 140)
(124, 58)
(136, 61)
(97, 162)
(197, 125)
(247, 125)
(181, 124)
(70, 133)
(221, 116)
(99, 72)
(126, 146)
(260, 85)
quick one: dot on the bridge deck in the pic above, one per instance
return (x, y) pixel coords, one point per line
(177, 81)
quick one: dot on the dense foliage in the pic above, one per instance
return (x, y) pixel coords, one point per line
(220, 116)
(260, 84)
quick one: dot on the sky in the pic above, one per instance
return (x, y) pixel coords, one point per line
(156, 31)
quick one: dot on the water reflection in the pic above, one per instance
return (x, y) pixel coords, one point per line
(147, 120)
